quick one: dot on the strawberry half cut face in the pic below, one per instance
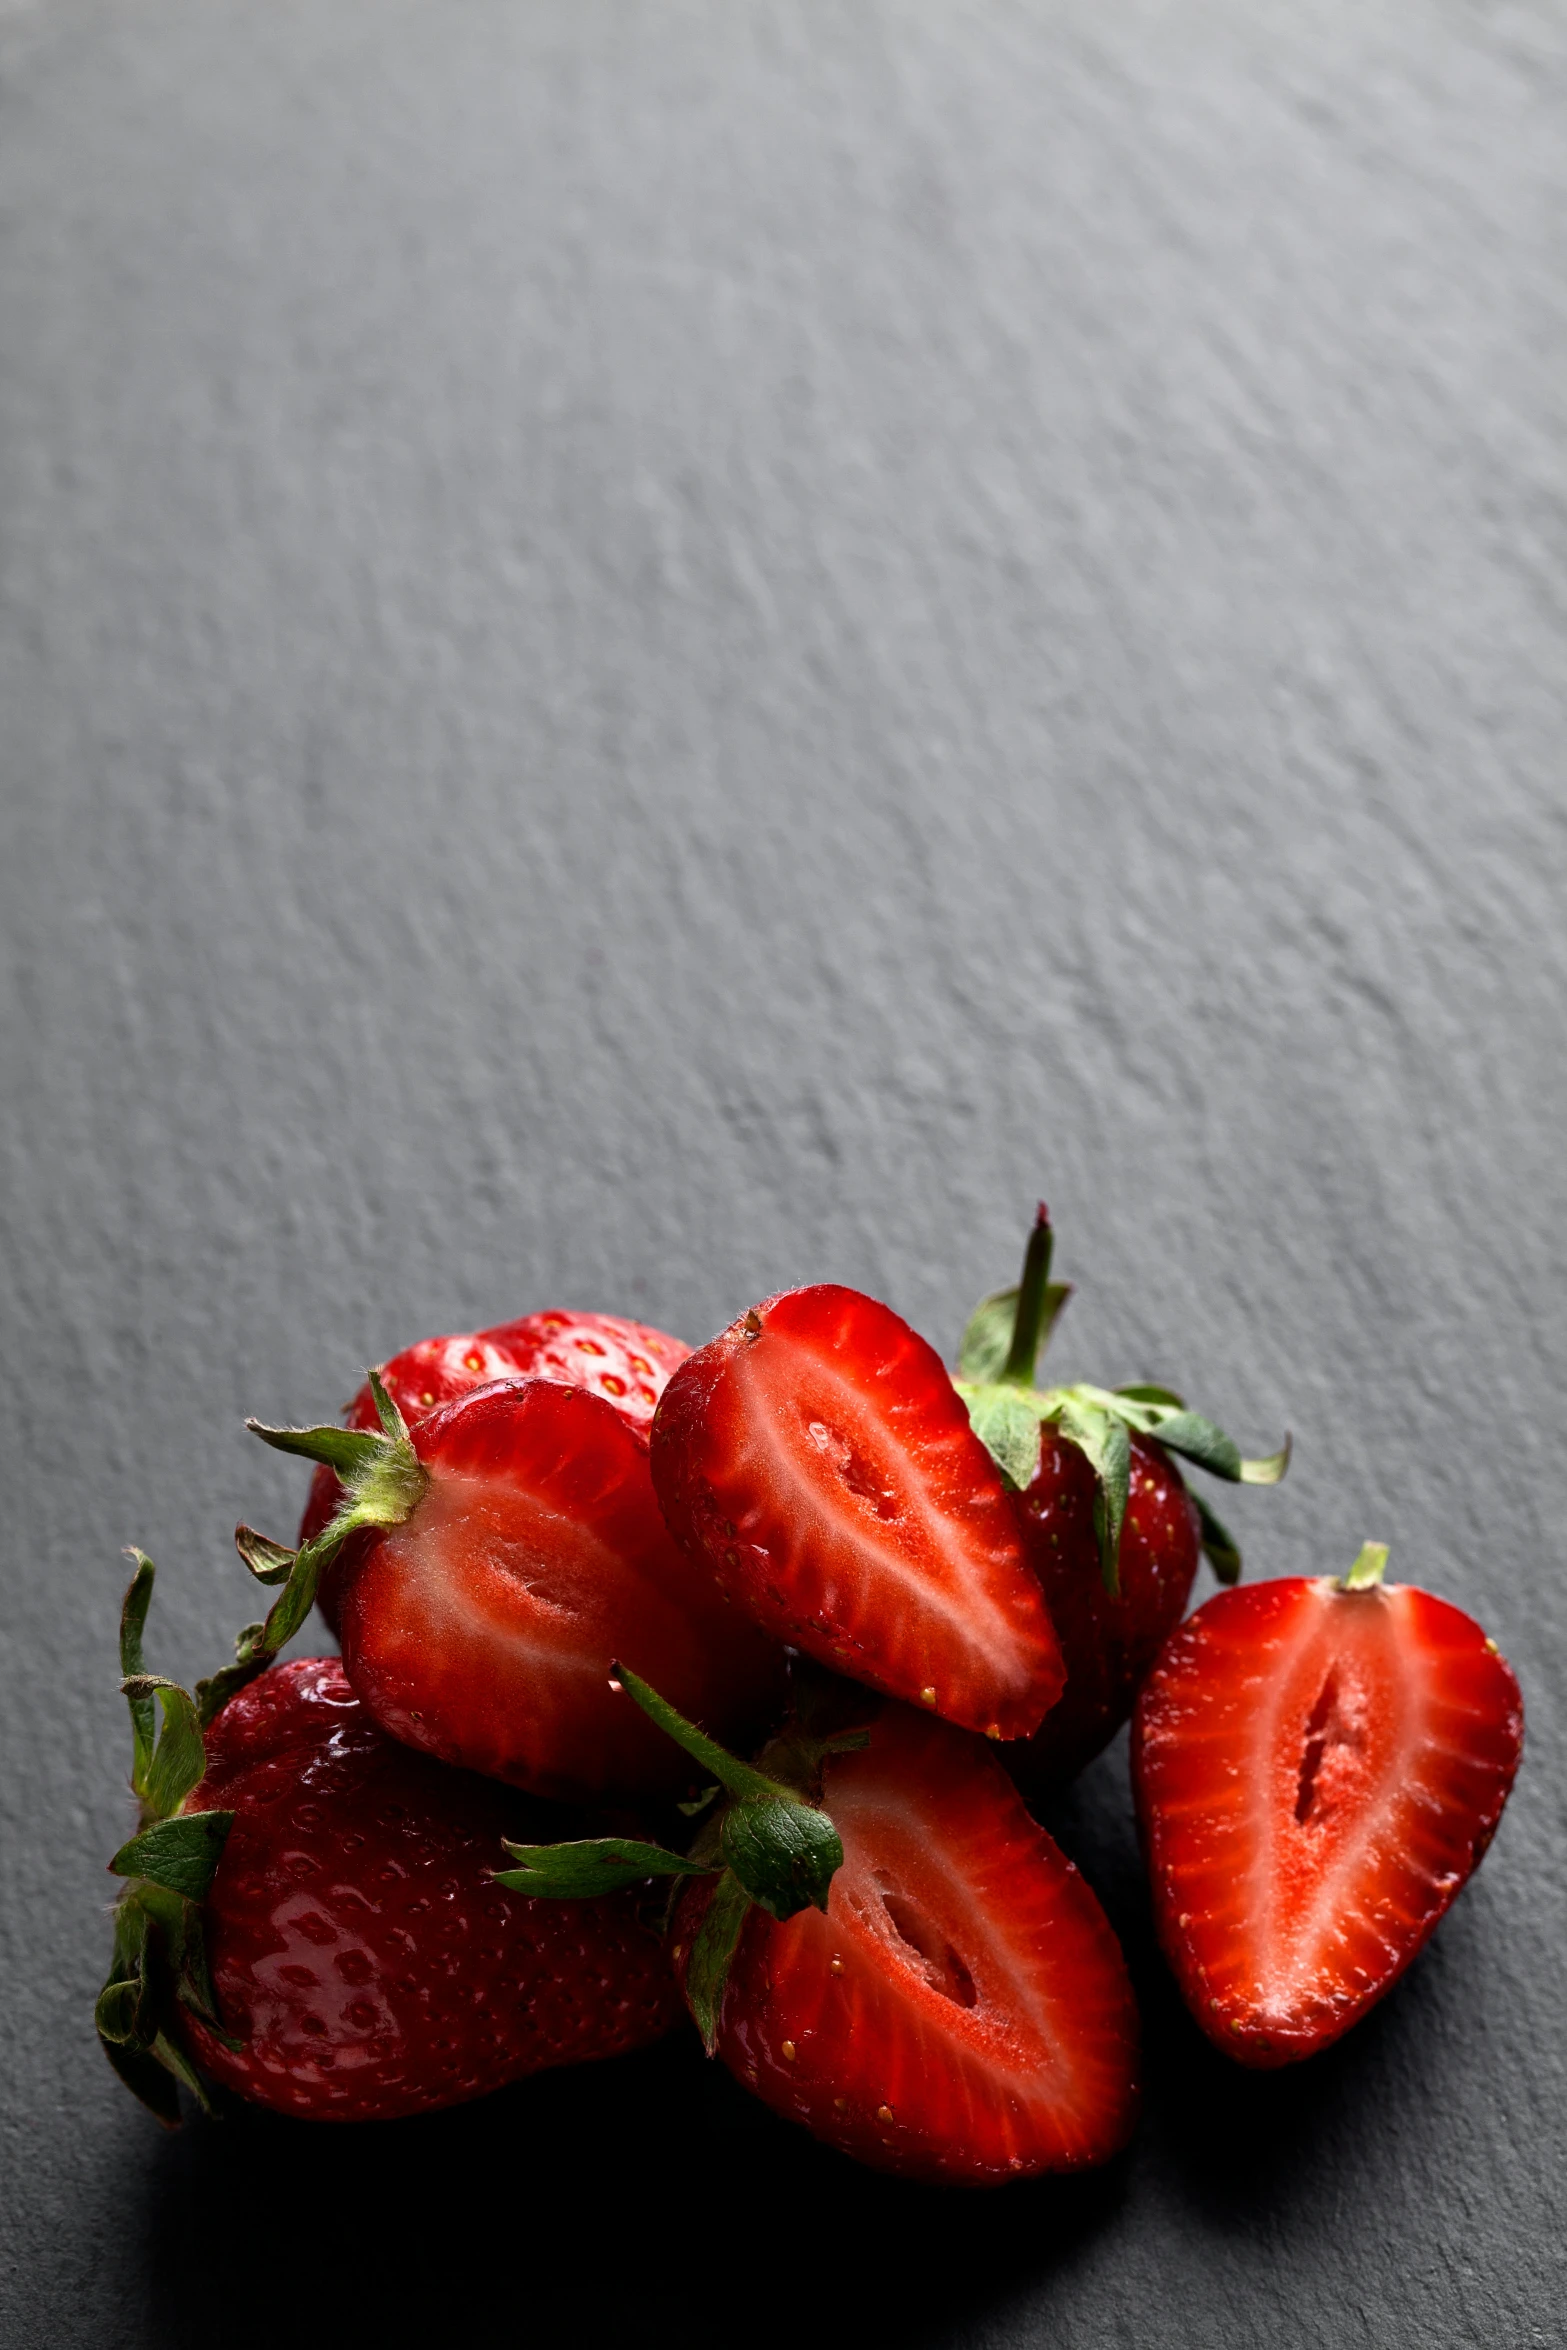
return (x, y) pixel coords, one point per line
(1318, 1769)
(961, 2011)
(483, 1626)
(628, 1363)
(816, 1457)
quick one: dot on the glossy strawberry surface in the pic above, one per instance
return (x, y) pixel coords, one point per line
(816, 1457)
(628, 1363)
(359, 1951)
(1318, 1771)
(1108, 1641)
(484, 1627)
(961, 2012)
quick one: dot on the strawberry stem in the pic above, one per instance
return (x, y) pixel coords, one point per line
(782, 1850)
(737, 1777)
(1028, 1328)
(1367, 1571)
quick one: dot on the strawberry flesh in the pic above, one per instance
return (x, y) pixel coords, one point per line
(1108, 1640)
(484, 1627)
(962, 2011)
(359, 1949)
(817, 1458)
(1318, 1772)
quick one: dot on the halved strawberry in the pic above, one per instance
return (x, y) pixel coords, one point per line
(815, 1456)
(628, 1363)
(881, 1943)
(503, 1553)
(1319, 1767)
(960, 2010)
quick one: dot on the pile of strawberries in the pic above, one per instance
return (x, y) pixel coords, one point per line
(720, 1683)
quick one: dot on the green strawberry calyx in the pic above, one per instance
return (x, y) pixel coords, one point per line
(382, 1479)
(997, 1379)
(159, 1964)
(769, 1844)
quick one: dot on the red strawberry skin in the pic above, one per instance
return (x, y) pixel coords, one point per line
(358, 1947)
(817, 1458)
(483, 1629)
(1318, 1772)
(962, 2012)
(1109, 1644)
(628, 1363)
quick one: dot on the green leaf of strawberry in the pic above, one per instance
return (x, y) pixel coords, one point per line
(269, 1562)
(1107, 1442)
(382, 1479)
(1197, 1439)
(581, 1872)
(213, 1693)
(179, 1853)
(996, 1373)
(179, 1758)
(712, 1954)
(159, 1949)
(1007, 1425)
(784, 1852)
(1219, 1546)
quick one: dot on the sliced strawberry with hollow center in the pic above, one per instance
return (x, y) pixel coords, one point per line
(1318, 1773)
(962, 2010)
(817, 1455)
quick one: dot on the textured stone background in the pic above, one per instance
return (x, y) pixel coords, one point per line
(648, 650)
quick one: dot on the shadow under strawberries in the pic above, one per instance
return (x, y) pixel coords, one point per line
(646, 2199)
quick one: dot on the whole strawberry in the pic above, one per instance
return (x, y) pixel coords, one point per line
(1108, 1525)
(312, 1921)
(628, 1363)
(1108, 1638)
(1319, 1768)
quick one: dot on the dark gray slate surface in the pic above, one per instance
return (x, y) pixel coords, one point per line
(651, 650)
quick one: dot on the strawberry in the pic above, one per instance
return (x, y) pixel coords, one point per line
(1107, 1523)
(815, 1457)
(507, 1548)
(961, 2011)
(1319, 1767)
(1108, 1639)
(626, 1362)
(312, 1921)
(880, 1942)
